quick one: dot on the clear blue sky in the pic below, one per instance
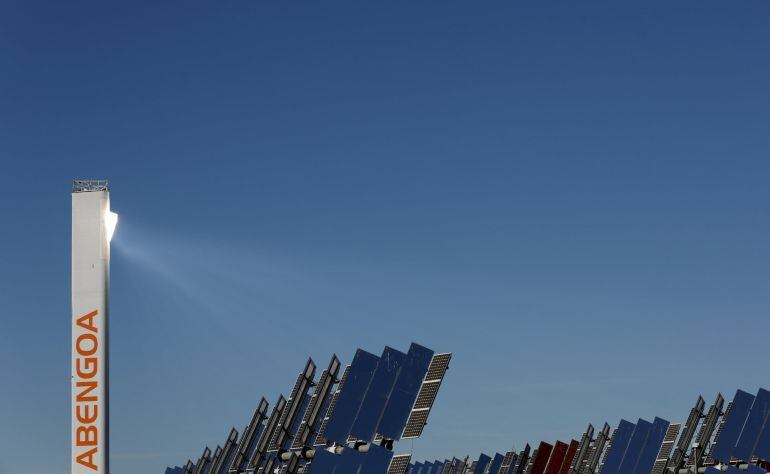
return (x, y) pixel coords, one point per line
(531, 185)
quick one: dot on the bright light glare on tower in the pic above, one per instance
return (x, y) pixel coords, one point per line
(110, 222)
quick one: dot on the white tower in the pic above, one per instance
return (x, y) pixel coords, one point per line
(92, 226)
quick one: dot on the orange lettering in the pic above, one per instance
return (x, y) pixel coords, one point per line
(87, 459)
(79, 344)
(90, 318)
(86, 393)
(91, 364)
(87, 418)
(89, 387)
(86, 435)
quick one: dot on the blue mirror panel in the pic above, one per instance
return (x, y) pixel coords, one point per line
(324, 462)
(762, 450)
(481, 464)
(497, 461)
(404, 392)
(635, 445)
(388, 368)
(377, 460)
(618, 448)
(652, 447)
(746, 444)
(351, 396)
(350, 462)
(733, 426)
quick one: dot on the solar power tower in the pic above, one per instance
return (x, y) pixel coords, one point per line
(93, 224)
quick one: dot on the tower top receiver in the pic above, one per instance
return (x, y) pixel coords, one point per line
(89, 185)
